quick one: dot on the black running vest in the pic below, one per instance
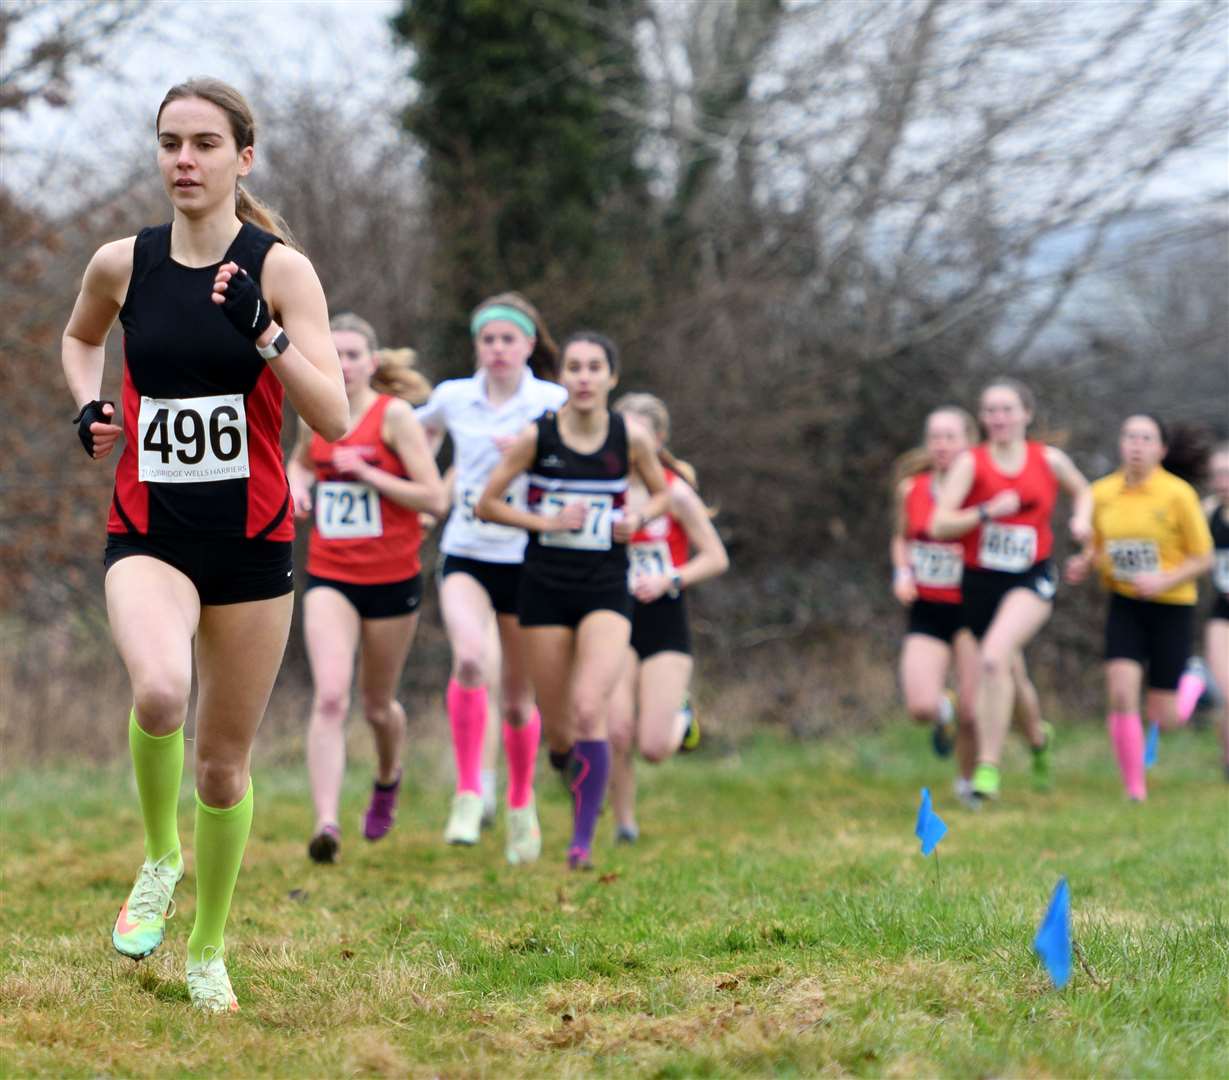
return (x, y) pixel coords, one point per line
(202, 412)
(589, 557)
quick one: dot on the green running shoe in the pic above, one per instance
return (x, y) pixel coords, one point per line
(1043, 776)
(691, 736)
(141, 924)
(986, 781)
(209, 985)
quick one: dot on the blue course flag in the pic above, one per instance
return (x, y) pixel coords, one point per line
(930, 828)
(1152, 745)
(1053, 940)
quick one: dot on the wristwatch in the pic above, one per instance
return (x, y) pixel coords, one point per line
(982, 513)
(676, 585)
(275, 348)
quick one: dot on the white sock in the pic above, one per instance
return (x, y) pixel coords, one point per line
(487, 782)
(946, 712)
(963, 786)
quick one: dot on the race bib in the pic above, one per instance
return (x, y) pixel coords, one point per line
(1220, 572)
(594, 535)
(346, 510)
(937, 566)
(192, 440)
(650, 558)
(1131, 557)
(488, 530)
(1012, 548)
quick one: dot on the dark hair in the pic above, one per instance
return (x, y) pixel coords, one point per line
(544, 360)
(243, 128)
(1188, 449)
(601, 341)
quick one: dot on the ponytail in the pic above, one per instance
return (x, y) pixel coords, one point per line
(250, 209)
(397, 375)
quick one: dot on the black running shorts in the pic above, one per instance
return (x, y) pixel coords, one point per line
(500, 580)
(225, 570)
(1156, 636)
(984, 590)
(661, 626)
(386, 600)
(543, 604)
(942, 621)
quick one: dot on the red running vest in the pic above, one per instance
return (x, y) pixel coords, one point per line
(1016, 543)
(937, 564)
(358, 536)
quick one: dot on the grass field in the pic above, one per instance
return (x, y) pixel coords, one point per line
(776, 919)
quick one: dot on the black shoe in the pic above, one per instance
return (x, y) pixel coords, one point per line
(325, 845)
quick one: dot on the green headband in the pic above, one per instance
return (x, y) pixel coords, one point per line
(502, 311)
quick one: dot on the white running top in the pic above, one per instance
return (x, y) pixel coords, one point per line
(461, 407)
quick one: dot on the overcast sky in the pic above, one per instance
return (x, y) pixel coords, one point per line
(255, 44)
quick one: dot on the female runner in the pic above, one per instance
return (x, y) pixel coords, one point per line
(1216, 634)
(482, 561)
(573, 601)
(999, 497)
(363, 586)
(655, 678)
(220, 317)
(1151, 543)
(926, 579)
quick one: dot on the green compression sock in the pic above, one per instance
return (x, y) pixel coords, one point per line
(157, 761)
(221, 836)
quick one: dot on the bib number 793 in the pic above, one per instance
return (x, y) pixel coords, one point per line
(192, 440)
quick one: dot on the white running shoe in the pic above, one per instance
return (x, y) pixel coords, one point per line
(465, 821)
(209, 985)
(524, 840)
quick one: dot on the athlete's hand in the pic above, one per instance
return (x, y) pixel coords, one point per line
(571, 517)
(1076, 568)
(1149, 584)
(349, 461)
(95, 430)
(242, 303)
(624, 529)
(1004, 504)
(427, 522)
(502, 442)
(649, 587)
(302, 498)
(1081, 530)
(904, 588)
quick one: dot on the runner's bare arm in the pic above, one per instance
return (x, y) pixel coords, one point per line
(710, 559)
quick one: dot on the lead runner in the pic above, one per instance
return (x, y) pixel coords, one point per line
(220, 316)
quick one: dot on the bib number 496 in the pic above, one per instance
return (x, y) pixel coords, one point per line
(192, 440)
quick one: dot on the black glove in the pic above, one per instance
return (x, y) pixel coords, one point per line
(91, 413)
(245, 307)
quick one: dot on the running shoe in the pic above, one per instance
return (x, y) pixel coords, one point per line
(1043, 776)
(524, 839)
(465, 820)
(691, 736)
(627, 834)
(209, 985)
(381, 810)
(325, 845)
(986, 781)
(943, 734)
(141, 924)
(964, 794)
(579, 859)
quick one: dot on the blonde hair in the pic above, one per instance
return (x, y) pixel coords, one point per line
(397, 375)
(917, 460)
(544, 360)
(243, 127)
(347, 321)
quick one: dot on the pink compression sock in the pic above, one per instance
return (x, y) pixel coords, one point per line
(521, 749)
(1127, 734)
(467, 715)
(1190, 690)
